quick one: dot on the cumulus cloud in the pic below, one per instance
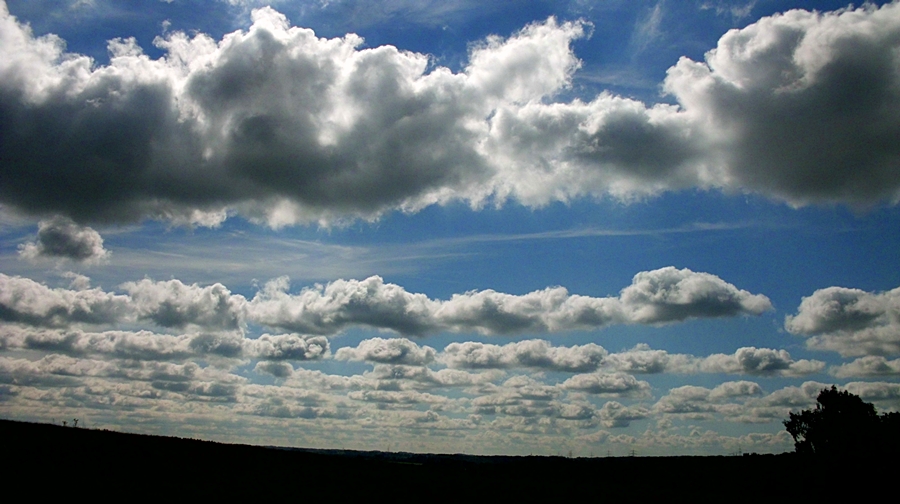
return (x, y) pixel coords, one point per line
(293, 347)
(174, 304)
(283, 127)
(760, 361)
(870, 365)
(655, 297)
(538, 354)
(644, 360)
(746, 360)
(615, 414)
(274, 368)
(615, 384)
(700, 402)
(670, 295)
(876, 391)
(665, 295)
(388, 351)
(60, 238)
(25, 301)
(146, 345)
(851, 322)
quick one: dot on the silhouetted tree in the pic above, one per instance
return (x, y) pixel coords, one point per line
(842, 424)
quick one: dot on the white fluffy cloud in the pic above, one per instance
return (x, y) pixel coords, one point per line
(615, 414)
(538, 354)
(665, 295)
(388, 351)
(60, 238)
(870, 365)
(700, 402)
(175, 304)
(760, 361)
(849, 321)
(25, 301)
(284, 127)
(611, 384)
(146, 345)
(746, 360)
(655, 297)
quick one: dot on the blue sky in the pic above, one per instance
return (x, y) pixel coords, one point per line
(438, 226)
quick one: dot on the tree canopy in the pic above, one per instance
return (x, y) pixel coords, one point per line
(843, 424)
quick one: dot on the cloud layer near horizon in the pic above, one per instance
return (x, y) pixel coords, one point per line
(281, 126)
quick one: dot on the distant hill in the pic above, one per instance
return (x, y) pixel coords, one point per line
(65, 461)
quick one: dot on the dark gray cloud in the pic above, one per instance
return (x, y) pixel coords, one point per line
(284, 127)
(274, 368)
(60, 238)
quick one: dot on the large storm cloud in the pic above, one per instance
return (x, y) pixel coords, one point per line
(285, 127)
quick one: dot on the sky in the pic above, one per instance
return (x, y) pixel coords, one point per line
(528, 227)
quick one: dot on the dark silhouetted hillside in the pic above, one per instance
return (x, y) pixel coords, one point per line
(65, 461)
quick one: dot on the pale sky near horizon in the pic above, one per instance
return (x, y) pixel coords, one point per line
(529, 227)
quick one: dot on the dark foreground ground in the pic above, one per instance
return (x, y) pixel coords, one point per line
(49, 460)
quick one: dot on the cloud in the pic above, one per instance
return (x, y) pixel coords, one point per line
(537, 354)
(851, 322)
(876, 391)
(737, 10)
(388, 351)
(644, 360)
(745, 360)
(870, 365)
(614, 414)
(616, 384)
(145, 345)
(655, 297)
(174, 304)
(274, 368)
(25, 301)
(782, 101)
(291, 347)
(700, 402)
(671, 295)
(760, 361)
(281, 126)
(60, 238)
(398, 376)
